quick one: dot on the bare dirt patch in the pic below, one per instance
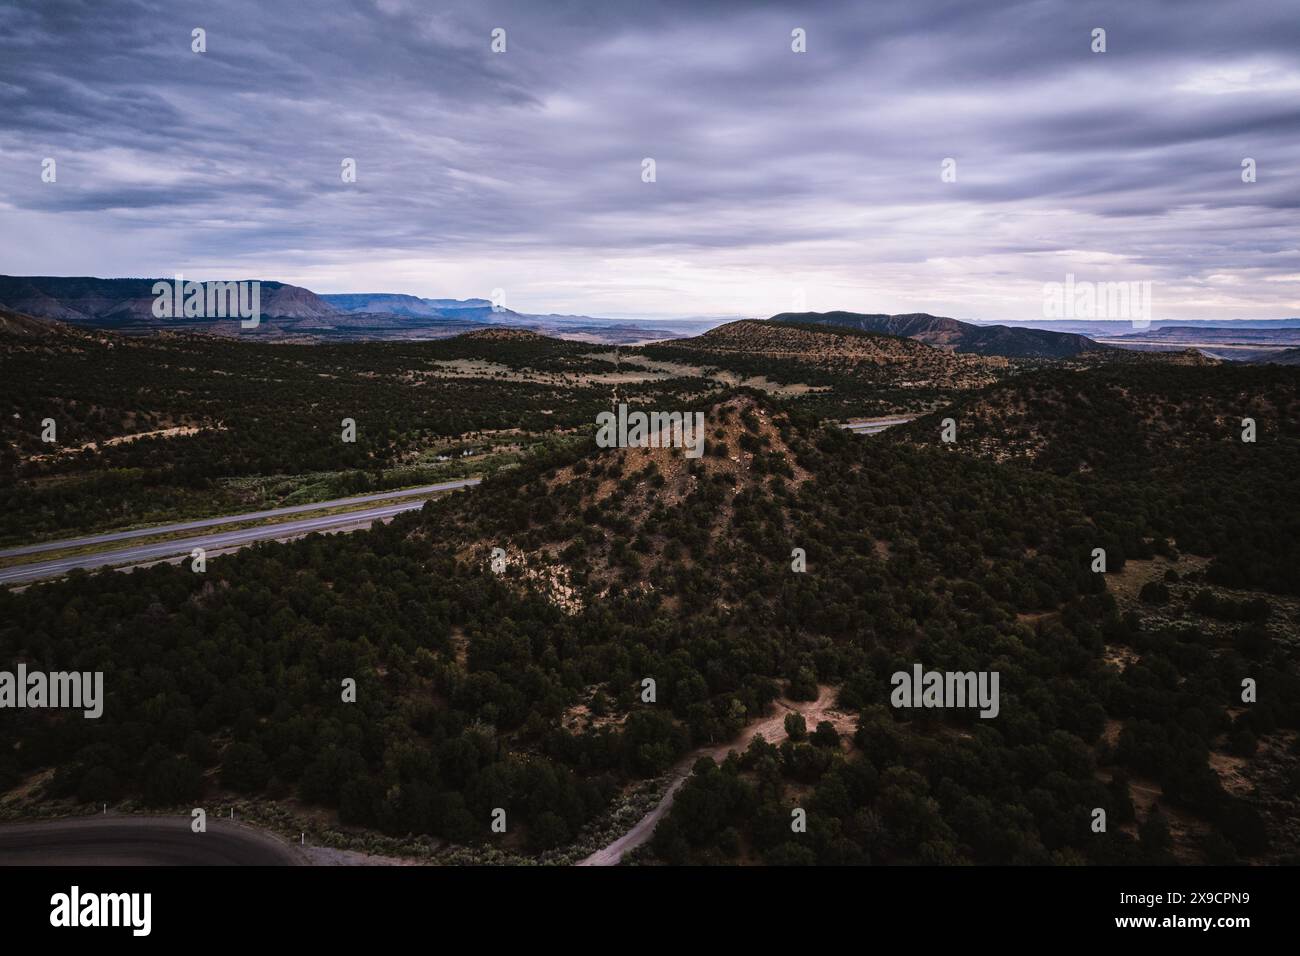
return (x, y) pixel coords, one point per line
(1232, 773)
(1120, 657)
(176, 431)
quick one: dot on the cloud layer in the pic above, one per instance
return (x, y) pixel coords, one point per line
(778, 174)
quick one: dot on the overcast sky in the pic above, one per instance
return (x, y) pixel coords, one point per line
(778, 174)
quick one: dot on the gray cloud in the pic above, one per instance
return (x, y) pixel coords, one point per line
(776, 171)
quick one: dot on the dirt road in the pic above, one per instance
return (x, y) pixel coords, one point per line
(771, 729)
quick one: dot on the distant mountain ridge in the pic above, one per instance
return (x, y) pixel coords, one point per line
(957, 336)
(292, 313)
(110, 303)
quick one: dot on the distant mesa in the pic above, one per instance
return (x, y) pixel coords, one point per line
(412, 306)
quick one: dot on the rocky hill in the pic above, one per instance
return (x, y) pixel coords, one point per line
(637, 488)
(20, 325)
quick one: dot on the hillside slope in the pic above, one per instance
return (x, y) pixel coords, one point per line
(1123, 418)
(999, 340)
(20, 325)
(795, 347)
(1285, 357)
(527, 689)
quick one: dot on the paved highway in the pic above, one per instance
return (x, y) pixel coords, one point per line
(874, 426)
(141, 841)
(219, 541)
(212, 522)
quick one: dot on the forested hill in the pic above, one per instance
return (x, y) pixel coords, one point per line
(607, 521)
(1171, 439)
(1285, 357)
(1122, 416)
(842, 349)
(913, 553)
(939, 331)
(524, 689)
(846, 369)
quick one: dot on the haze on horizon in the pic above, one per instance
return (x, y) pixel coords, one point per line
(779, 174)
